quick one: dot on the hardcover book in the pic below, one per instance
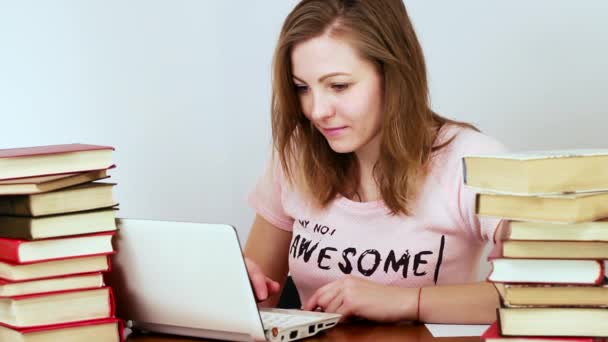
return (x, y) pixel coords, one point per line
(569, 208)
(82, 197)
(24, 251)
(34, 185)
(547, 271)
(102, 330)
(555, 249)
(43, 227)
(535, 172)
(492, 334)
(61, 283)
(553, 295)
(50, 269)
(56, 308)
(53, 159)
(584, 322)
(546, 231)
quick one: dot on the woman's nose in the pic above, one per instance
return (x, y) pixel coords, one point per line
(322, 108)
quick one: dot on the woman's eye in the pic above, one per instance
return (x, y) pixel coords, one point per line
(301, 89)
(339, 86)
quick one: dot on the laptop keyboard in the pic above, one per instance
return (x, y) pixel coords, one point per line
(274, 319)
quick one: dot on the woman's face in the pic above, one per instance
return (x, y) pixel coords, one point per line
(340, 93)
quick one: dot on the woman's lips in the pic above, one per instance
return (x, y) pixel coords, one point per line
(333, 131)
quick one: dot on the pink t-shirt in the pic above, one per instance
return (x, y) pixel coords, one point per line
(440, 243)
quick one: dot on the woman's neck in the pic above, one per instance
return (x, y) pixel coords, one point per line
(367, 157)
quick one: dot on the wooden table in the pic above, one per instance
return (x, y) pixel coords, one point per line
(352, 332)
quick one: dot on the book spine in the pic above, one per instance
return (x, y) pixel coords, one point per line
(109, 259)
(464, 171)
(498, 318)
(16, 228)
(15, 205)
(9, 250)
(111, 303)
(601, 275)
(121, 330)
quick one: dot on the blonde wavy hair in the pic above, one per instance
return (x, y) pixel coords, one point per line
(381, 32)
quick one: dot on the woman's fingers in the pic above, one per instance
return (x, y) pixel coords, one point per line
(333, 305)
(322, 296)
(259, 284)
(258, 280)
(272, 286)
(328, 296)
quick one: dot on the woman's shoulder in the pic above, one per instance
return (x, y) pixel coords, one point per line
(463, 140)
(455, 142)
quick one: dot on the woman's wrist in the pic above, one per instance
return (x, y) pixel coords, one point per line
(418, 317)
(410, 304)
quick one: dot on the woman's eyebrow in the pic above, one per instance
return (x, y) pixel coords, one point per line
(324, 76)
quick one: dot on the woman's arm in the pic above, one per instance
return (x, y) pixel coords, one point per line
(473, 303)
(466, 303)
(268, 247)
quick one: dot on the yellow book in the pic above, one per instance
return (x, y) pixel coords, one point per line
(56, 308)
(568, 208)
(547, 231)
(538, 172)
(43, 227)
(560, 321)
(82, 197)
(35, 185)
(55, 268)
(101, 330)
(555, 249)
(552, 295)
(53, 159)
(58, 284)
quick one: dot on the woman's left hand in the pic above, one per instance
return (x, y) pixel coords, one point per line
(353, 296)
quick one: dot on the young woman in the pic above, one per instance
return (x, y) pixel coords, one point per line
(363, 202)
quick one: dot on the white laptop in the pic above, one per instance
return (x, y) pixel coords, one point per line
(190, 279)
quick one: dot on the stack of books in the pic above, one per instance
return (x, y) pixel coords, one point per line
(56, 228)
(550, 267)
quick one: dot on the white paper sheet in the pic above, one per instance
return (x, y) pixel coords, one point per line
(456, 330)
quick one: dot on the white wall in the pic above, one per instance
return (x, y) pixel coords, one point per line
(181, 88)
(532, 73)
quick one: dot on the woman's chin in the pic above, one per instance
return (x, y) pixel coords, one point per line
(341, 147)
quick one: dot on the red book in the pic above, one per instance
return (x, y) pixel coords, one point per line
(56, 268)
(102, 330)
(56, 308)
(53, 159)
(493, 335)
(24, 251)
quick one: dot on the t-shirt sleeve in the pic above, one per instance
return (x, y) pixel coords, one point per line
(468, 143)
(266, 198)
